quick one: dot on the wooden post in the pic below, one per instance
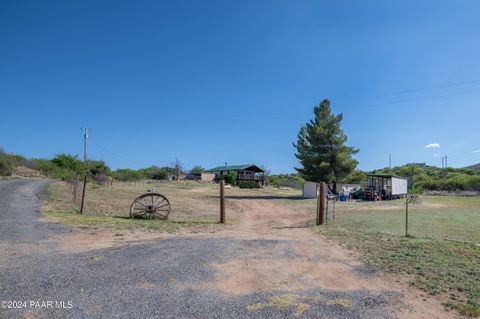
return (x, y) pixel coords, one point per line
(83, 193)
(406, 217)
(85, 140)
(326, 210)
(222, 202)
(321, 204)
(333, 217)
(317, 219)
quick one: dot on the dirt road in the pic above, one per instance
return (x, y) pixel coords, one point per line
(260, 268)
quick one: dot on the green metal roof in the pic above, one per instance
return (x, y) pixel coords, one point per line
(233, 168)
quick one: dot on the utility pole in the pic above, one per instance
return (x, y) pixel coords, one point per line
(85, 140)
(442, 162)
(390, 161)
(446, 163)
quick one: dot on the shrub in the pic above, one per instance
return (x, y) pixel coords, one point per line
(127, 175)
(155, 172)
(248, 184)
(286, 180)
(6, 166)
(69, 162)
(101, 178)
(98, 168)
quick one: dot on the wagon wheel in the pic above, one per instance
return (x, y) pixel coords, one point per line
(151, 205)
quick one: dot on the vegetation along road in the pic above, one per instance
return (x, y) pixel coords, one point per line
(259, 267)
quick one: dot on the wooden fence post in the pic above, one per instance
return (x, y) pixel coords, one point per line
(406, 217)
(321, 204)
(222, 202)
(83, 193)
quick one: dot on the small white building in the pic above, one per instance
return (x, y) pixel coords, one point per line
(310, 189)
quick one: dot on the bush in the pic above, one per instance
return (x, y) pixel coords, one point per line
(98, 168)
(286, 180)
(229, 178)
(248, 184)
(6, 166)
(155, 172)
(101, 178)
(69, 162)
(127, 175)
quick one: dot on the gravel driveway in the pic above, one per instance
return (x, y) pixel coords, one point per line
(152, 279)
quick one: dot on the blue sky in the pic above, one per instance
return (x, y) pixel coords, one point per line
(232, 81)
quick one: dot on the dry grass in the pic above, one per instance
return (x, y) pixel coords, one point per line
(194, 205)
(190, 201)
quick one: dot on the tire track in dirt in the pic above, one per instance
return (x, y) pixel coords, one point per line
(302, 260)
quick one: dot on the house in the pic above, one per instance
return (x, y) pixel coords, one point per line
(246, 172)
(385, 186)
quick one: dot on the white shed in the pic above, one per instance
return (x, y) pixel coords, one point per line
(310, 189)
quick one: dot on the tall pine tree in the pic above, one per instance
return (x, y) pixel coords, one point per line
(321, 148)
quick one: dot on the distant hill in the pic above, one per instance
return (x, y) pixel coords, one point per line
(475, 167)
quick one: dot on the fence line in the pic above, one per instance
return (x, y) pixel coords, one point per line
(447, 218)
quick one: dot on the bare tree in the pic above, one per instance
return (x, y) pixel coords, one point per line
(178, 168)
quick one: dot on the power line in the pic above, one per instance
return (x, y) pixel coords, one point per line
(117, 155)
(410, 91)
(257, 115)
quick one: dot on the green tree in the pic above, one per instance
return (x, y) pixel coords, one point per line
(6, 164)
(356, 176)
(197, 169)
(321, 147)
(127, 174)
(98, 168)
(70, 163)
(229, 178)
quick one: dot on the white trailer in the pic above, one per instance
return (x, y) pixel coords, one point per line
(399, 186)
(385, 186)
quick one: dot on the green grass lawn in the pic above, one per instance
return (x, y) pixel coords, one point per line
(437, 266)
(442, 251)
(453, 218)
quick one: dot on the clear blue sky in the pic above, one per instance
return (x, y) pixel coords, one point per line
(232, 81)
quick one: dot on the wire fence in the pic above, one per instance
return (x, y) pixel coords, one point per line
(190, 201)
(434, 217)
